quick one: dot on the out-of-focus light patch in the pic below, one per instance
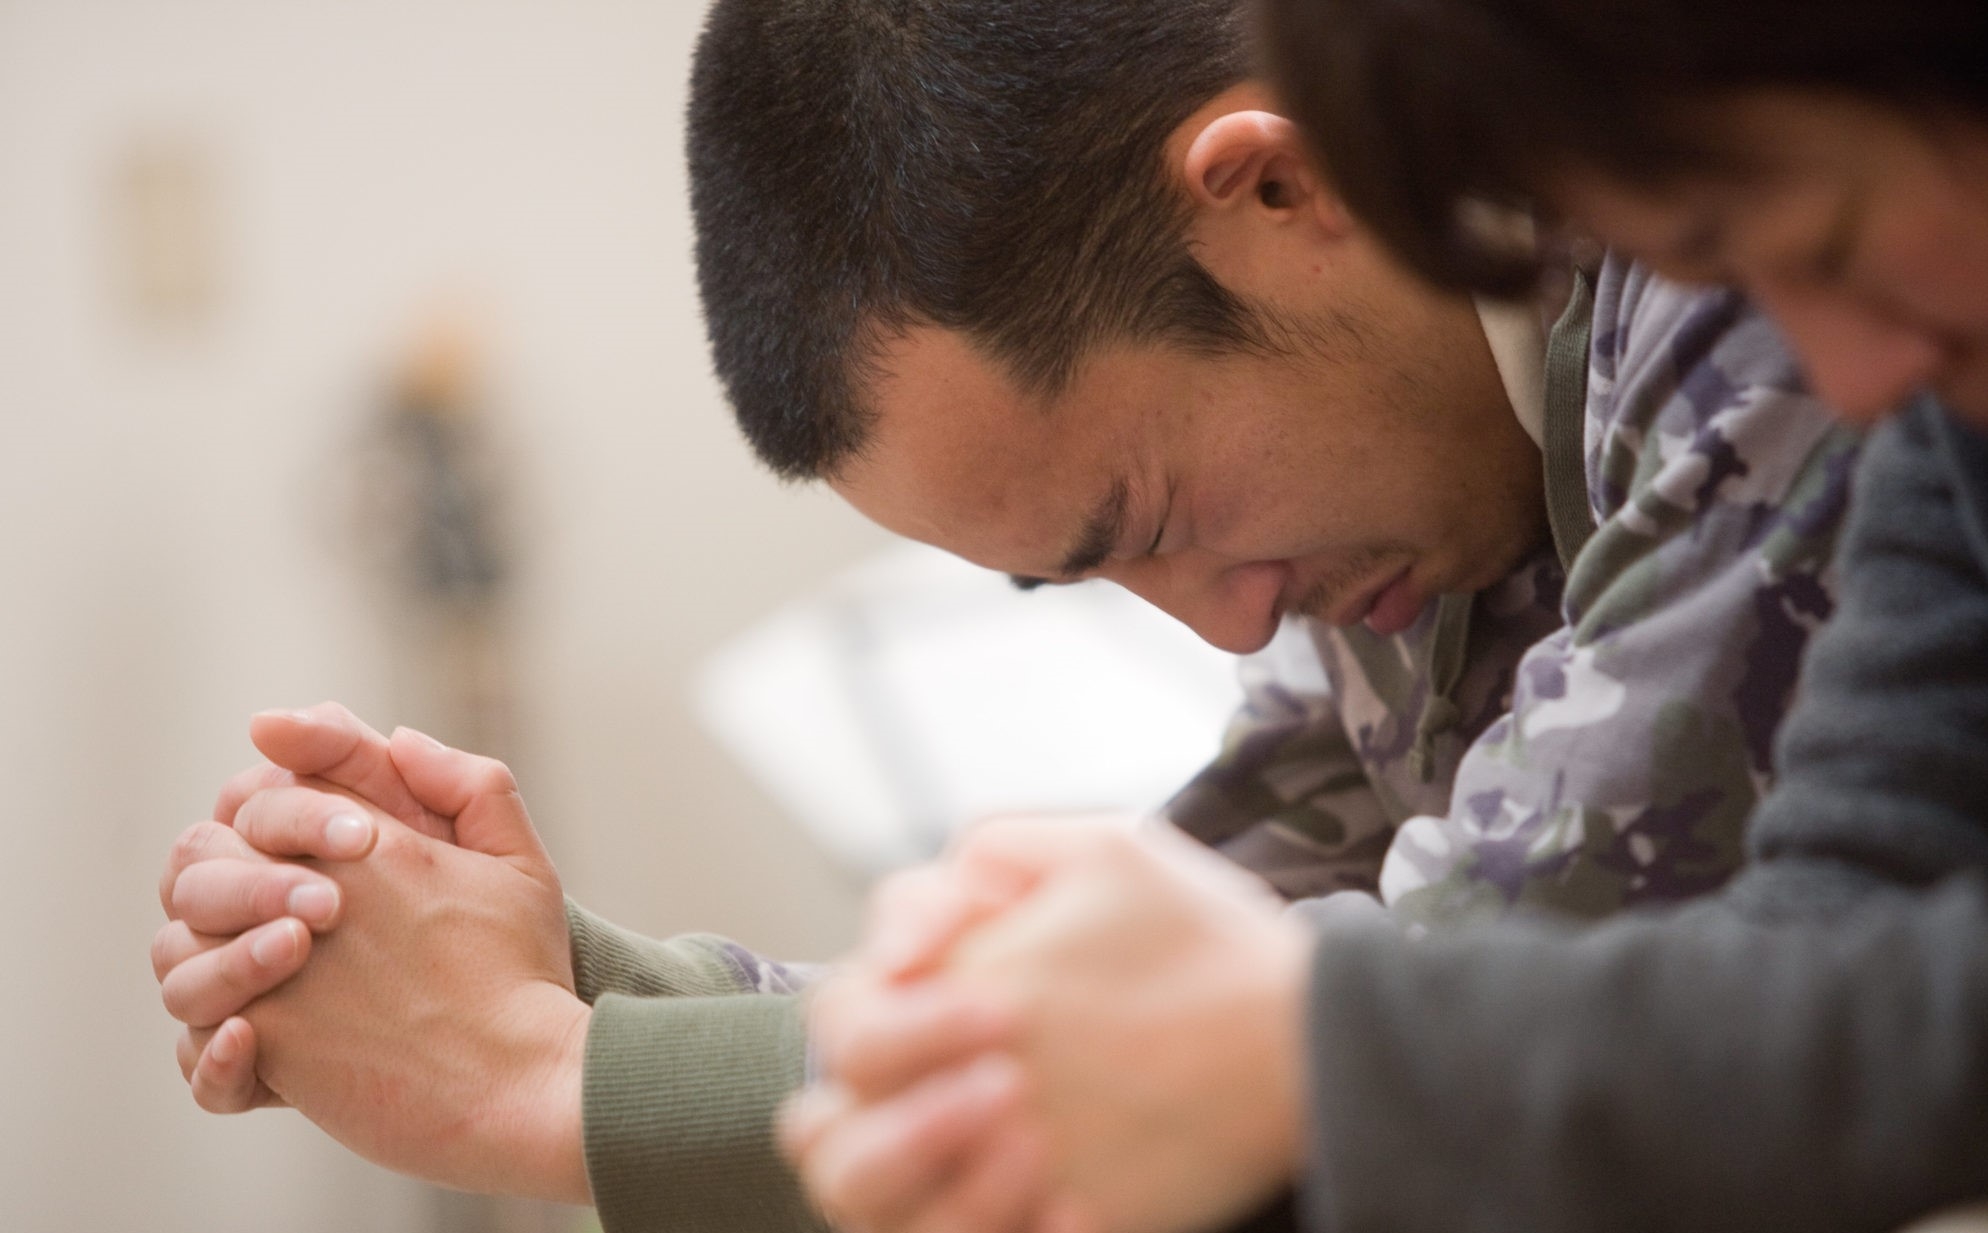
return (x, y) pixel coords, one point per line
(917, 693)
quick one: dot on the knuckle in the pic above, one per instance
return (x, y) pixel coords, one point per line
(215, 896)
(493, 777)
(245, 784)
(195, 844)
(202, 996)
(249, 820)
(186, 895)
(169, 945)
(173, 994)
(282, 821)
(266, 895)
(228, 991)
(235, 974)
(184, 851)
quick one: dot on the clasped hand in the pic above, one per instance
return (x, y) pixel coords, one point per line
(1063, 1027)
(370, 931)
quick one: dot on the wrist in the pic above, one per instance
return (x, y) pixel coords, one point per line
(541, 1147)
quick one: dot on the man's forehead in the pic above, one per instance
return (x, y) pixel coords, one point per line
(961, 458)
(937, 404)
(1021, 525)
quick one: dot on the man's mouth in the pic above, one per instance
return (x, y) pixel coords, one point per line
(1388, 605)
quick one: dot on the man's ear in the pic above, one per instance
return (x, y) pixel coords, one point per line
(1257, 160)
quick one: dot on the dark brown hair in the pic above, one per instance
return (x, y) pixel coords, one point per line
(1434, 116)
(993, 167)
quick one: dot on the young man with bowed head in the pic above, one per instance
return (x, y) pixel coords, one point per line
(1058, 288)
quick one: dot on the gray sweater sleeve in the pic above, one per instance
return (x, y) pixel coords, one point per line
(1808, 1050)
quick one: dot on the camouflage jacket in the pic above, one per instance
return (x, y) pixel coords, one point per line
(1579, 743)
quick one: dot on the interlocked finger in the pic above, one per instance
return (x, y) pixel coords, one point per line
(223, 1077)
(882, 1165)
(244, 784)
(203, 841)
(206, 989)
(227, 896)
(175, 943)
(879, 1039)
(296, 821)
(996, 1189)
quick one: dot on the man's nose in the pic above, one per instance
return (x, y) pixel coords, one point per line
(1862, 361)
(1231, 605)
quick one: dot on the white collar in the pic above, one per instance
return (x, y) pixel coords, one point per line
(1518, 347)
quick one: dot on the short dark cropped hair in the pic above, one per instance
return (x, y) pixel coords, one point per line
(993, 167)
(1432, 115)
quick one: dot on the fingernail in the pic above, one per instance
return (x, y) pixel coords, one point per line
(222, 1047)
(274, 946)
(302, 717)
(348, 835)
(314, 902)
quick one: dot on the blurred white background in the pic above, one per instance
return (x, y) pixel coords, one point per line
(222, 224)
(170, 554)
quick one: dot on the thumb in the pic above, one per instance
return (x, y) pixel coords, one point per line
(1014, 854)
(330, 743)
(918, 918)
(480, 793)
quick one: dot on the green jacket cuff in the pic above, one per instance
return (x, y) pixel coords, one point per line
(610, 959)
(679, 1100)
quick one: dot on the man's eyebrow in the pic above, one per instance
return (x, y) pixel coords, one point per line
(1101, 533)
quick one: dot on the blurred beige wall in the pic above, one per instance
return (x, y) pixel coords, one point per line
(169, 553)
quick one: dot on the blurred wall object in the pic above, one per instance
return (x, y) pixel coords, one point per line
(918, 693)
(431, 498)
(165, 208)
(431, 491)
